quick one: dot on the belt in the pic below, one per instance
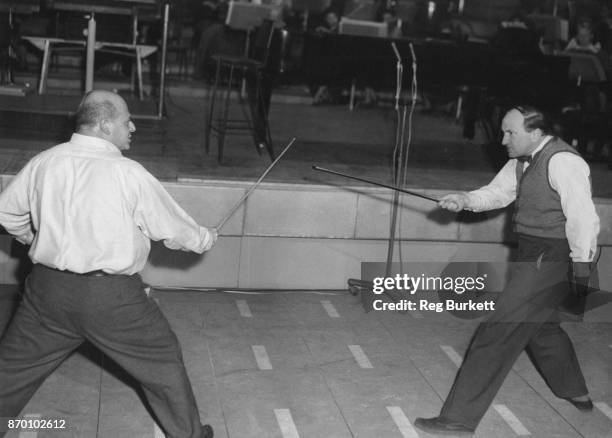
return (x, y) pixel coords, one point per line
(96, 273)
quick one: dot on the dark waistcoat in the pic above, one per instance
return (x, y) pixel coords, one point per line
(537, 209)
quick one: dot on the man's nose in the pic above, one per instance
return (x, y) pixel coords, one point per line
(132, 127)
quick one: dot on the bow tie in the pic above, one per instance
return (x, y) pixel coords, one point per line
(525, 159)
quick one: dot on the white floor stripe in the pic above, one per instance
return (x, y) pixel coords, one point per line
(360, 356)
(603, 407)
(402, 422)
(286, 424)
(330, 309)
(158, 432)
(512, 421)
(452, 354)
(29, 433)
(244, 309)
(261, 356)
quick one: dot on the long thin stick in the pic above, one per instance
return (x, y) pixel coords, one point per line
(254, 186)
(333, 172)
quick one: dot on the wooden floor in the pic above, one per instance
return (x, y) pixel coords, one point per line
(314, 364)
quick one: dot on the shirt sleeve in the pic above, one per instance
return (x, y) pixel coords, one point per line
(568, 175)
(160, 218)
(15, 207)
(499, 193)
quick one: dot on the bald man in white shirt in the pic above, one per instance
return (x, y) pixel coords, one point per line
(88, 214)
(556, 223)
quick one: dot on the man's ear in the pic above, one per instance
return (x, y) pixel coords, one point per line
(105, 126)
(536, 134)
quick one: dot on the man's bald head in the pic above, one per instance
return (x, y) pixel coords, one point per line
(105, 115)
(97, 106)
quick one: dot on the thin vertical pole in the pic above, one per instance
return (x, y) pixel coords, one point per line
(91, 53)
(162, 74)
(44, 68)
(11, 55)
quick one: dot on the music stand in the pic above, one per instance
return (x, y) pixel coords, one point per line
(246, 16)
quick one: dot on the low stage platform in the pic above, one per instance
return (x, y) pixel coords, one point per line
(66, 104)
(359, 141)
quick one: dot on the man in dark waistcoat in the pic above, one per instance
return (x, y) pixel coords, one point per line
(557, 228)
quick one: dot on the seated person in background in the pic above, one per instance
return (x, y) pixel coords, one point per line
(330, 23)
(592, 97)
(584, 41)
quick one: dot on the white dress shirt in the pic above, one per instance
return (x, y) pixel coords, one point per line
(568, 175)
(83, 206)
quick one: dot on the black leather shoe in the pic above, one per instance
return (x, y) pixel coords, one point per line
(207, 431)
(581, 405)
(442, 426)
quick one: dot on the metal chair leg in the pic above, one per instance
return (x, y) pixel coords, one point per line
(253, 114)
(139, 73)
(44, 69)
(223, 121)
(264, 114)
(211, 109)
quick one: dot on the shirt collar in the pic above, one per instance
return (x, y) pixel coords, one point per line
(545, 140)
(94, 143)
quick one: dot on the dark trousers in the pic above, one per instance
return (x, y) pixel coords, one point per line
(60, 311)
(525, 316)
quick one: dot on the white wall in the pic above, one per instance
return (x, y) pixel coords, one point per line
(315, 237)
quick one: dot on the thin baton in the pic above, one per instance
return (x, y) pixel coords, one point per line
(333, 172)
(254, 186)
